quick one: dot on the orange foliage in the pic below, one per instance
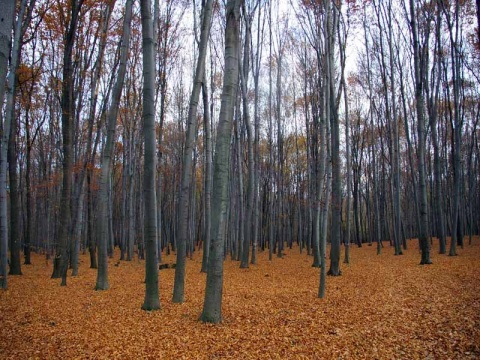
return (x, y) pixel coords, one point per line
(382, 307)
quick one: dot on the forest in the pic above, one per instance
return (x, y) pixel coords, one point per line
(212, 153)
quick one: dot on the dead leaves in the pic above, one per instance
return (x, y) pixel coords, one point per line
(382, 307)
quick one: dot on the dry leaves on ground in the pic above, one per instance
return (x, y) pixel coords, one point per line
(382, 307)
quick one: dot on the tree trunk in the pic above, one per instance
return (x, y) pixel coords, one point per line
(179, 284)
(456, 128)
(256, 75)
(108, 153)
(421, 133)
(6, 22)
(349, 178)
(208, 177)
(152, 298)
(62, 249)
(15, 267)
(212, 306)
(244, 70)
(433, 116)
(332, 116)
(376, 220)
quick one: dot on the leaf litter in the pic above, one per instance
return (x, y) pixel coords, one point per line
(382, 307)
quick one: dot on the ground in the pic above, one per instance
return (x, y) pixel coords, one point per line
(382, 307)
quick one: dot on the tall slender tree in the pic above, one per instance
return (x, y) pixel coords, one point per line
(152, 298)
(332, 116)
(419, 68)
(23, 20)
(6, 23)
(244, 71)
(67, 103)
(107, 156)
(208, 175)
(179, 284)
(433, 93)
(212, 305)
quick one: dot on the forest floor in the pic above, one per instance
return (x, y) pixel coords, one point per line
(382, 307)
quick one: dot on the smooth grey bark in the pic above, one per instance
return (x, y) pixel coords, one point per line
(319, 139)
(315, 29)
(97, 72)
(107, 156)
(152, 298)
(358, 141)
(29, 198)
(15, 266)
(421, 136)
(67, 103)
(343, 87)
(6, 23)
(212, 306)
(77, 230)
(332, 116)
(244, 70)
(92, 246)
(349, 176)
(327, 160)
(456, 125)
(271, 198)
(240, 188)
(179, 283)
(15, 201)
(385, 25)
(409, 146)
(432, 106)
(130, 210)
(298, 192)
(208, 177)
(6, 26)
(279, 173)
(256, 76)
(397, 219)
(376, 220)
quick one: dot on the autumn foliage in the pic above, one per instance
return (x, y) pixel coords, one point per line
(382, 307)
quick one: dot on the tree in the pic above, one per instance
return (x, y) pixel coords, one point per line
(102, 273)
(419, 66)
(152, 300)
(178, 290)
(61, 252)
(11, 118)
(256, 64)
(244, 71)
(332, 116)
(212, 305)
(432, 106)
(6, 22)
(207, 176)
(456, 123)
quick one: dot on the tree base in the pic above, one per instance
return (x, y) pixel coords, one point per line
(57, 274)
(334, 273)
(205, 318)
(103, 285)
(151, 306)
